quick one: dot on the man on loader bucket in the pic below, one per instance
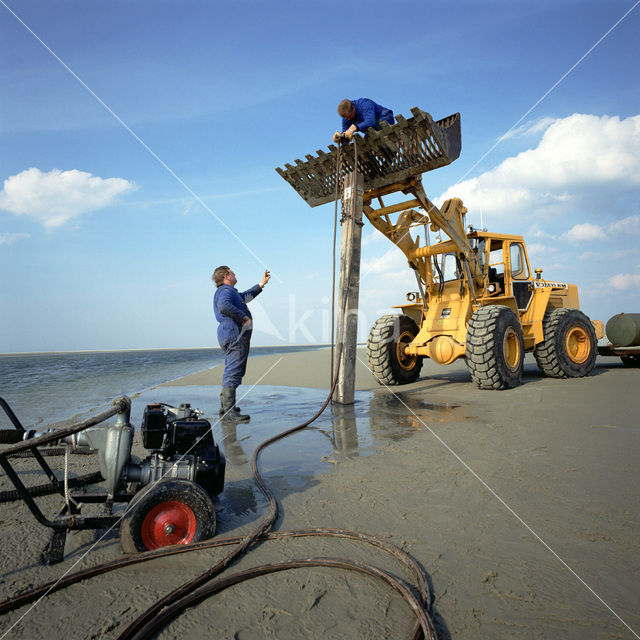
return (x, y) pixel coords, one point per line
(359, 115)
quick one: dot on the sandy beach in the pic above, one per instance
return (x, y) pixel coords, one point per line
(521, 506)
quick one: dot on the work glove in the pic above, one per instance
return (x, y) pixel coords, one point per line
(337, 136)
(350, 132)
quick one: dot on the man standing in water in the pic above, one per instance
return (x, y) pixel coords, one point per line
(234, 334)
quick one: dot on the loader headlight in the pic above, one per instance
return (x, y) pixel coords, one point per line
(491, 288)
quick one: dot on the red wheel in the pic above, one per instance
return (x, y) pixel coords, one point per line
(168, 523)
(167, 512)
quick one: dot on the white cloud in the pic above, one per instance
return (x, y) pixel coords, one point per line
(576, 155)
(374, 236)
(539, 234)
(538, 249)
(55, 197)
(631, 224)
(584, 232)
(529, 128)
(623, 281)
(11, 238)
(607, 256)
(390, 262)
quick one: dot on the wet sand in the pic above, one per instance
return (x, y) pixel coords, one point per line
(519, 505)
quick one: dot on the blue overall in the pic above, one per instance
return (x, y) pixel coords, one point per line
(230, 307)
(368, 114)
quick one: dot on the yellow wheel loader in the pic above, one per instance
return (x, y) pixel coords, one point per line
(490, 310)
(477, 297)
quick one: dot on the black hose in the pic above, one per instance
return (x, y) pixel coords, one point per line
(49, 488)
(34, 594)
(11, 436)
(333, 261)
(170, 612)
(123, 403)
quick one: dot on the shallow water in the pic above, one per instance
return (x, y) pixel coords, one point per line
(292, 464)
(49, 387)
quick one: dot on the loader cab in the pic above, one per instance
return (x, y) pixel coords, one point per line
(521, 287)
(507, 267)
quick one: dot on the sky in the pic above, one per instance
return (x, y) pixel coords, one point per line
(138, 146)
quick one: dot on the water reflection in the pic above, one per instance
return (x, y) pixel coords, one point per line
(379, 417)
(344, 429)
(397, 416)
(232, 449)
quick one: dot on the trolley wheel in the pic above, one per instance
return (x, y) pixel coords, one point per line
(495, 348)
(168, 512)
(569, 348)
(631, 361)
(388, 338)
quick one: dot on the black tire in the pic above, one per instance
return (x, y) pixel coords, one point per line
(569, 348)
(495, 348)
(385, 353)
(631, 361)
(180, 504)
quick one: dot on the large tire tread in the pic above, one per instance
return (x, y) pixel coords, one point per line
(381, 350)
(550, 354)
(484, 357)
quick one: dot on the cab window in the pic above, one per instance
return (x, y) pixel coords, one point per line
(448, 266)
(519, 270)
(496, 261)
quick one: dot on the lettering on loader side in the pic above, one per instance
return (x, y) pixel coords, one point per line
(542, 284)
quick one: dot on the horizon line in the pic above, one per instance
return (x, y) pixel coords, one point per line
(258, 346)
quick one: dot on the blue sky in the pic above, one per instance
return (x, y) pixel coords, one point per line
(102, 248)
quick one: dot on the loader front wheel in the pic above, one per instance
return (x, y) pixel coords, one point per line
(569, 348)
(495, 348)
(388, 338)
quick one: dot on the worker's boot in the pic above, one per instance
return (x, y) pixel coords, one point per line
(222, 411)
(228, 406)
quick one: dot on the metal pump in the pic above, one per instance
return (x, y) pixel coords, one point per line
(169, 492)
(181, 442)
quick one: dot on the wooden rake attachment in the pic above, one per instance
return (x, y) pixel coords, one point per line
(396, 153)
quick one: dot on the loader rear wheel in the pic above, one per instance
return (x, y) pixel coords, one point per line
(569, 348)
(386, 345)
(495, 348)
(169, 512)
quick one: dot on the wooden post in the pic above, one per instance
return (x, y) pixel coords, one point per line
(350, 244)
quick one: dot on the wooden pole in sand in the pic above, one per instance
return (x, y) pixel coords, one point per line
(350, 244)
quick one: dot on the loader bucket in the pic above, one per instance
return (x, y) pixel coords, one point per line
(397, 152)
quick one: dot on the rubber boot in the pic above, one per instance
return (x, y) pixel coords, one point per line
(222, 411)
(228, 398)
